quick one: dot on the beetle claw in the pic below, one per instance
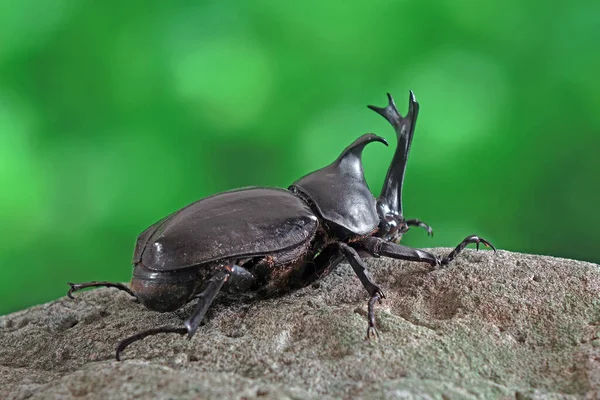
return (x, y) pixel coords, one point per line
(420, 224)
(488, 244)
(372, 333)
(71, 290)
(477, 240)
(379, 293)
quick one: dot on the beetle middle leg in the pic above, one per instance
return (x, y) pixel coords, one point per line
(379, 247)
(237, 276)
(374, 291)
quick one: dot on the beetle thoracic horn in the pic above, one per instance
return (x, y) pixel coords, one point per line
(391, 193)
(354, 151)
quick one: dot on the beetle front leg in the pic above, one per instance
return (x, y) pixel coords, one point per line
(420, 224)
(468, 240)
(379, 247)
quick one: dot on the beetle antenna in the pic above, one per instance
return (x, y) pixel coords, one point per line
(391, 193)
(139, 336)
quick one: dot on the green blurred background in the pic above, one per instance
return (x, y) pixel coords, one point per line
(114, 114)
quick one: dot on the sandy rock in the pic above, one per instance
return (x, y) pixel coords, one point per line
(503, 326)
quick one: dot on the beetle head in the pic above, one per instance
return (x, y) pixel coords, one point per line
(340, 192)
(389, 203)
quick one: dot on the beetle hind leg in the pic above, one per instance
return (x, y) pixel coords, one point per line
(78, 286)
(239, 277)
(205, 299)
(139, 336)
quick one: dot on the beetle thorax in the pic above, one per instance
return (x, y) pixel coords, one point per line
(339, 192)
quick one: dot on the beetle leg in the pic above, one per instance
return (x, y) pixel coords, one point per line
(239, 276)
(139, 336)
(360, 269)
(372, 330)
(375, 292)
(468, 240)
(379, 247)
(78, 286)
(205, 299)
(240, 280)
(420, 224)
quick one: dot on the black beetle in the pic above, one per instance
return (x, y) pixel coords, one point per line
(272, 240)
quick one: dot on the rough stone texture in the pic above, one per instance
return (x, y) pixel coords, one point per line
(504, 326)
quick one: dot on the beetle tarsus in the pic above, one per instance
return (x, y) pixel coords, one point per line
(78, 286)
(372, 329)
(420, 224)
(372, 333)
(139, 336)
(468, 240)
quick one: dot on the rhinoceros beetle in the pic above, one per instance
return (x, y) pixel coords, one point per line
(271, 240)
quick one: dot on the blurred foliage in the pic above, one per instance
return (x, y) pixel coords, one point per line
(114, 114)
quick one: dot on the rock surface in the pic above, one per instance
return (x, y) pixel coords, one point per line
(503, 326)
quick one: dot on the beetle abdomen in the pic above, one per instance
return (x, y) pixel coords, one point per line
(164, 291)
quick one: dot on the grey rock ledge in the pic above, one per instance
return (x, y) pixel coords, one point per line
(503, 326)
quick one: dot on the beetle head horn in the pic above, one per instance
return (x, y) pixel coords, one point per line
(391, 193)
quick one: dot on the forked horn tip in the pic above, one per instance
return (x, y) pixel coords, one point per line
(389, 112)
(391, 100)
(374, 108)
